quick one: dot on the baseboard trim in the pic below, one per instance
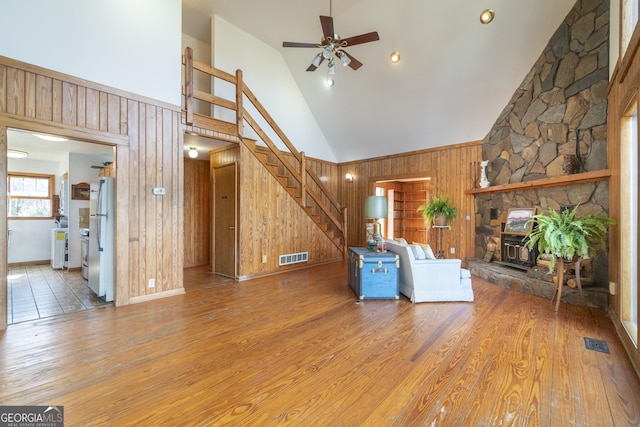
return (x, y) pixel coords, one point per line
(27, 263)
(158, 295)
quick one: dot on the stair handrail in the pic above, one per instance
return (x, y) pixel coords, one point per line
(243, 115)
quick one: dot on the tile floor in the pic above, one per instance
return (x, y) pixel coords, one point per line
(37, 291)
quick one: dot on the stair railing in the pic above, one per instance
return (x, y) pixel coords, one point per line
(316, 195)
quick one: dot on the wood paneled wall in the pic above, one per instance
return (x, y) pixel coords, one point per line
(623, 90)
(273, 224)
(148, 137)
(197, 212)
(450, 173)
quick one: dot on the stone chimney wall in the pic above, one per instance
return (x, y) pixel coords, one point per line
(555, 124)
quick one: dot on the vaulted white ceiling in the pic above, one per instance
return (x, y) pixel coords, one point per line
(455, 77)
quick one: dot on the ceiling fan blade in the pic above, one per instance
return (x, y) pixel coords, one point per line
(313, 67)
(354, 64)
(296, 44)
(327, 26)
(362, 38)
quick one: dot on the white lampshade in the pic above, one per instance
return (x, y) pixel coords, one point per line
(375, 207)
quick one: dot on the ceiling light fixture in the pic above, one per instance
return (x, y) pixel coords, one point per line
(330, 81)
(333, 45)
(317, 59)
(487, 16)
(193, 152)
(17, 154)
(395, 57)
(344, 58)
(50, 137)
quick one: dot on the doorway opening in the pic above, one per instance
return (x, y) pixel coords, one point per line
(404, 196)
(45, 267)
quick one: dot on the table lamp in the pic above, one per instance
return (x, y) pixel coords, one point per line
(376, 207)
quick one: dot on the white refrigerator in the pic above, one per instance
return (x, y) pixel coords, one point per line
(102, 238)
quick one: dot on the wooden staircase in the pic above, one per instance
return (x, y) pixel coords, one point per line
(289, 168)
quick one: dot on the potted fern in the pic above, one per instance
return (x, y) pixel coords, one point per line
(562, 235)
(438, 211)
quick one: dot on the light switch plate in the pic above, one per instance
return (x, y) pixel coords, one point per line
(159, 191)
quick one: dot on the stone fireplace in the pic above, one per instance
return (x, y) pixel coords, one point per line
(548, 147)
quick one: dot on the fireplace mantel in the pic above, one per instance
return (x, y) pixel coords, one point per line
(578, 178)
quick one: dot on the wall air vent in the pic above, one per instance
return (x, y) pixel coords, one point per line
(294, 258)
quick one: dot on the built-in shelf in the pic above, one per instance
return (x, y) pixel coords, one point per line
(578, 178)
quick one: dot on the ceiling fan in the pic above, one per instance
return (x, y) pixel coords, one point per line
(333, 46)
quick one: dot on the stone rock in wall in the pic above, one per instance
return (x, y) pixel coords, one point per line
(596, 115)
(577, 107)
(566, 71)
(582, 29)
(559, 43)
(534, 110)
(532, 131)
(555, 167)
(554, 114)
(517, 175)
(581, 194)
(597, 159)
(548, 152)
(587, 81)
(587, 65)
(519, 142)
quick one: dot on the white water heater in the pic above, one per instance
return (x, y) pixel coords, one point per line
(59, 238)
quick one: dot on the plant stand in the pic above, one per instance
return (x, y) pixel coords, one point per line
(440, 252)
(560, 267)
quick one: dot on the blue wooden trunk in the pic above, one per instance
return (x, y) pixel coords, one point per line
(373, 275)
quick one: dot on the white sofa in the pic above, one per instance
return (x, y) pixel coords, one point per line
(423, 280)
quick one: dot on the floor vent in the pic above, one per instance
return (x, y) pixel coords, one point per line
(294, 258)
(596, 345)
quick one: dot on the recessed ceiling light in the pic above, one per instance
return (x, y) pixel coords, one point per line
(17, 154)
(487, 16)
(330, 81)
(50, 137)
(395, 57)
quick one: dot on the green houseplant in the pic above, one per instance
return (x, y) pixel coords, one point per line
(562, 235)
(438, 211)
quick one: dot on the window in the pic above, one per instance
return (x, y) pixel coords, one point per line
(629, 21)
(629, 220)
(30, 195)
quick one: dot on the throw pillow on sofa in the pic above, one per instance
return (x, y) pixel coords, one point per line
(427, 250)
(418, 252)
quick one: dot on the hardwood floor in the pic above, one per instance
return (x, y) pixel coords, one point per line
(299, 349)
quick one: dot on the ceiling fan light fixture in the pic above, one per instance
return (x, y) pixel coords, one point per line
(487, 16)
(394, 57)
(344, 59)
(317, 59)
(193, 152)
(332, 69)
